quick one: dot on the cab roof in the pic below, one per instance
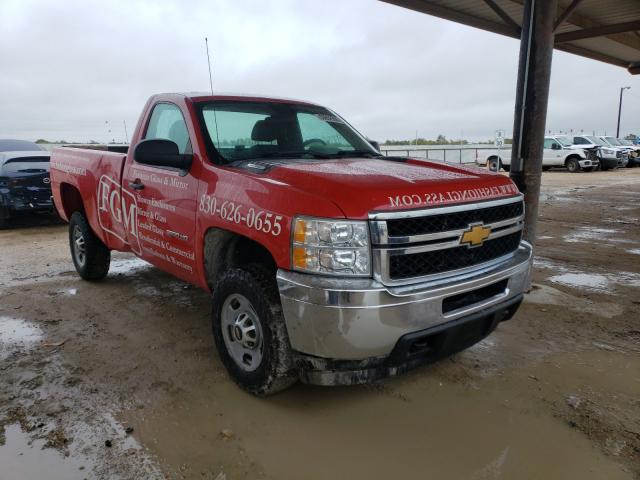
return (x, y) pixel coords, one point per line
(208, 96)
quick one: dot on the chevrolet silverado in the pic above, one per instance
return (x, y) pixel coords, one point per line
(326, 262)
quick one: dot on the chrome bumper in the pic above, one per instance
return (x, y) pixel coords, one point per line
(356, 319)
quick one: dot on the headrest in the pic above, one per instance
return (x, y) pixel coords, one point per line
(264, 131)
(178, 133)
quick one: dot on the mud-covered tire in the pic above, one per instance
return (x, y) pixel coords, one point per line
(269, 367)
(90, 256)
(573, 165)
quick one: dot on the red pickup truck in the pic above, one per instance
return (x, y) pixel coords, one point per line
(327, 262)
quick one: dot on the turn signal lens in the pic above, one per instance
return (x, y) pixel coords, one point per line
(299, 234)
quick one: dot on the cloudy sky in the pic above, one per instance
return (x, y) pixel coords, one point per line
(78, 70)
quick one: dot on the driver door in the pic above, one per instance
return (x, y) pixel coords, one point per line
(165, 199)
(552, 154)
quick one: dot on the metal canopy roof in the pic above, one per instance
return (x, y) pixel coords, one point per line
(604, 30)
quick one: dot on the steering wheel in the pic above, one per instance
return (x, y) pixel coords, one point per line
(313, 140)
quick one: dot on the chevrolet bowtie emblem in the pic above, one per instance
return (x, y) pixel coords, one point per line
(475, 235)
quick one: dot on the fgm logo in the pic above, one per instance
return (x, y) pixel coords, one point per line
(118, 212)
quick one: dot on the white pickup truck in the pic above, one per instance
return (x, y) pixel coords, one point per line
(559, 151)
(609, 157)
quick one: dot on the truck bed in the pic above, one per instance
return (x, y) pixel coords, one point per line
(75, 170)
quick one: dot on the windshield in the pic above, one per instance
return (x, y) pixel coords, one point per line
(564, 141)
(597, 141)
(613, 141)
(244, 130)
(625, 142)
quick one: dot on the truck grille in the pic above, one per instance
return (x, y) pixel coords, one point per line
(438, 261)
(453, 221)
(430, 244)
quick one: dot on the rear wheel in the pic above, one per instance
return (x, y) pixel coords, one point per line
(250, 332)
(573, 165)
(90, 256)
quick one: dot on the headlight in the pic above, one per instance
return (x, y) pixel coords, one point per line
(337, 247)
(606, 151)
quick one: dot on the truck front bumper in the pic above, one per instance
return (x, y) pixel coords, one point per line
(609, 162)
(586, 163)
(347, 331)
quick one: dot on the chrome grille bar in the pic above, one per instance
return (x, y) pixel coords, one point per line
(386, 246)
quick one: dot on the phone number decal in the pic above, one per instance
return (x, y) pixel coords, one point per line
(258, 220)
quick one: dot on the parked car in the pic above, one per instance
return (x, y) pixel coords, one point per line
(24, 179)
(558, 151)
(609, 157)
(327, 261)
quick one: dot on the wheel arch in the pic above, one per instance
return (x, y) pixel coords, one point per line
(71, 199)
(224, 250)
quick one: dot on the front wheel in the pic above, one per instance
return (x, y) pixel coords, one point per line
(250, 332)
(90, 256)
(573, 165)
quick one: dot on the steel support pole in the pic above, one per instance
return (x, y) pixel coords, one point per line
(619, 113)
(532, 97)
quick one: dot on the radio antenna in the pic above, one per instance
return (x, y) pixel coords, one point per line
(206, 42)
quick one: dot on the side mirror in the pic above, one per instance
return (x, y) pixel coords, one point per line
(161, 153)
(556, 146)
(375, 145)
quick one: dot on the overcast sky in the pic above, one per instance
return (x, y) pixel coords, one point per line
(67, 68)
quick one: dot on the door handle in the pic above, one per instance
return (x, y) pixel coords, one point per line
(137, 185)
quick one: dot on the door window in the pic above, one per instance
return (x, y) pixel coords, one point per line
(167, 123)
(548, 143)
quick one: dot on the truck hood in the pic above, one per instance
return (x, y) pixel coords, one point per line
(363, 185)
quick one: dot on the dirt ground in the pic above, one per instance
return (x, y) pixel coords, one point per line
(121, 379)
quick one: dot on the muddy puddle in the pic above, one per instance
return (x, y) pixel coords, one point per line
(433, 427)
(24, 459)
(597, 279)
(17, 334)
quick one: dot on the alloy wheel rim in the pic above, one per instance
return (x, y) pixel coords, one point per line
(79, 246)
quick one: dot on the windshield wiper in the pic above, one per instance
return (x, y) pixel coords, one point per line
(357, 153)
(301, 154)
